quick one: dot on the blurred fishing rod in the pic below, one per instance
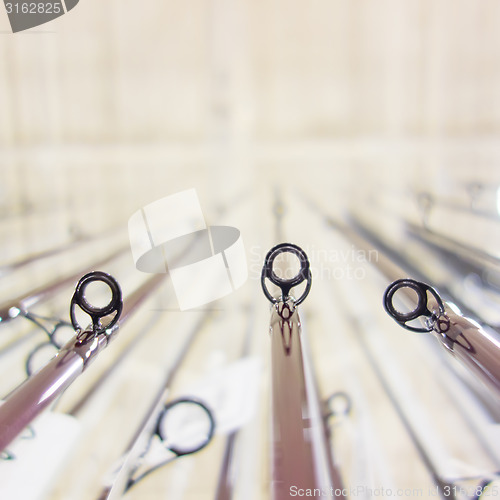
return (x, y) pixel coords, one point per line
(125, 476)
(468, 259)
(39, 391)
(462, 332)
(20, 305)
(396, 264)
(79, 239)
(225, 482)
(392, 265)
(426, 261)
(479, 204)
(388, 268)
(474, 329)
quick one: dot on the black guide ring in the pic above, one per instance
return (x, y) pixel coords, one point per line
(209, 415)
(97, 313)
(286, 284)
(420, 310)
(346, 401)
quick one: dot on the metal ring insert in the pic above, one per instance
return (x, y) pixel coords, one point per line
(96, 313)
(207, 415)
(286, 285)
(421, 308)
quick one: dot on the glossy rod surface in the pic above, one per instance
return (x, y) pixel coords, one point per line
(475, 347)
(36, 394)
(472, 344)
(42, 388)
(299, 464)
(131, 305)
(292, 450)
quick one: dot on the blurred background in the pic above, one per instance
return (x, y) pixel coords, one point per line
(365, 132)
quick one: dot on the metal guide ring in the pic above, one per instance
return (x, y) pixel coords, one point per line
(421, 308)
(209, 415)
(345, 407)
(286, 285)
(96, 313)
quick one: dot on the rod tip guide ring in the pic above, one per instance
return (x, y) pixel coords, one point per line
(304, 273)
(96, 313)
(421, 309)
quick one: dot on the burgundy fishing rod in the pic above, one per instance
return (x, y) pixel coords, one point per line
(295, 451)
(45, 386)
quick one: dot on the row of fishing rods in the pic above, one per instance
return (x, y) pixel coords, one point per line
(476, 346)
(296, 454)
(418, 307)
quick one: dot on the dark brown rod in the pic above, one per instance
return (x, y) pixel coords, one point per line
(43, 388)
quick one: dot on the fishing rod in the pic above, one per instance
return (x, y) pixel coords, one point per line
(225, 484)
(131, 305)
(78, 240)
(427, 202)
(458, 258)
(357, 331)
(295, 453)
(469, 259)
(39, 391)
(126, 475)
(391, 265)
(453, 257)
(479, 333)
(360, 234)
(475, 346)
(20, 305)
(224, 489)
